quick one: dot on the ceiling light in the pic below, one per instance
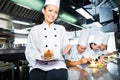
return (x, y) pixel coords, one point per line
(30, 4)
(67, 17)
(23, 6)
(20, 22)
(21, 31)
(84, 13)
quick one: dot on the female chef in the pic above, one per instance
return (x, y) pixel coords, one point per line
(47, 37)
(94, 46)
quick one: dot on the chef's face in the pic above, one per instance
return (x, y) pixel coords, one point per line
(94, 46)
(50, 13)
(103, 47)
(81, 48)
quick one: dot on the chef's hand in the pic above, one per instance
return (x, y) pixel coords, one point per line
(102, 62)
(102, 58)
(114, 52)
(89, 59)
(83, 60)
(67, 49)
(39, 56)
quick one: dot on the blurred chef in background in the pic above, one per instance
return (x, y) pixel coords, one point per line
(94, 46)
(95, 50)
(104, 43)
(48, 37)
(103, 46)
(75, 58)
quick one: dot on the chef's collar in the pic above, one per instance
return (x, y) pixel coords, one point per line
(51, 25)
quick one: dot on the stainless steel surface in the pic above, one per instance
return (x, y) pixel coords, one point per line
(10, 51)
(111, 72)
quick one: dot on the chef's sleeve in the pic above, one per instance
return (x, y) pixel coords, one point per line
(65, 39)
(32, 52)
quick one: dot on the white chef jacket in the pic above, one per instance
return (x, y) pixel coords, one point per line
(41, 38)
(104, 52)
(92, 53)
(73, 55)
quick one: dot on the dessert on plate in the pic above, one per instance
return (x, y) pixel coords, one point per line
(95, 64)
(48, 55)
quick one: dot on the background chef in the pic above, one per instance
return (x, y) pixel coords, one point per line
(75, 58)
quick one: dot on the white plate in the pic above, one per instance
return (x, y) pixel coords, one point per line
(42, 59)
(110, 58)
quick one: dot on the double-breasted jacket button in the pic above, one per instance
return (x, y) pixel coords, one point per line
(45, 29)
(46, 45)
(45, 36)
(54, 28)
(55, 45)
(55, 35)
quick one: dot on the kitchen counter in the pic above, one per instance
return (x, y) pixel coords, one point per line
(111, 72)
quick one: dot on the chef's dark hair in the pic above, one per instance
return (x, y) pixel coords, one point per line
(78, 44)
(42, 18)
(91, 45)
(45, 6)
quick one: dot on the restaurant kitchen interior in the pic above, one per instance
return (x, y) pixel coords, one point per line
(17, 17)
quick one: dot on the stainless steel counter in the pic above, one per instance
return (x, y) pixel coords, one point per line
(111, 72)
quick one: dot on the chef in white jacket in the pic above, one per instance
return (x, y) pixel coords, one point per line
(95, 51)
(104, 44)
(75, 58)
(47, 36)
(94, 47)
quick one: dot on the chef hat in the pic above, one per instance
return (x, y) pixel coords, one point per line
(111, 43)
(105, 40)
(83, 38)
(53, 2)
(99, 36)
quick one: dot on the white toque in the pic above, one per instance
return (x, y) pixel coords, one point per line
(53, 2)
